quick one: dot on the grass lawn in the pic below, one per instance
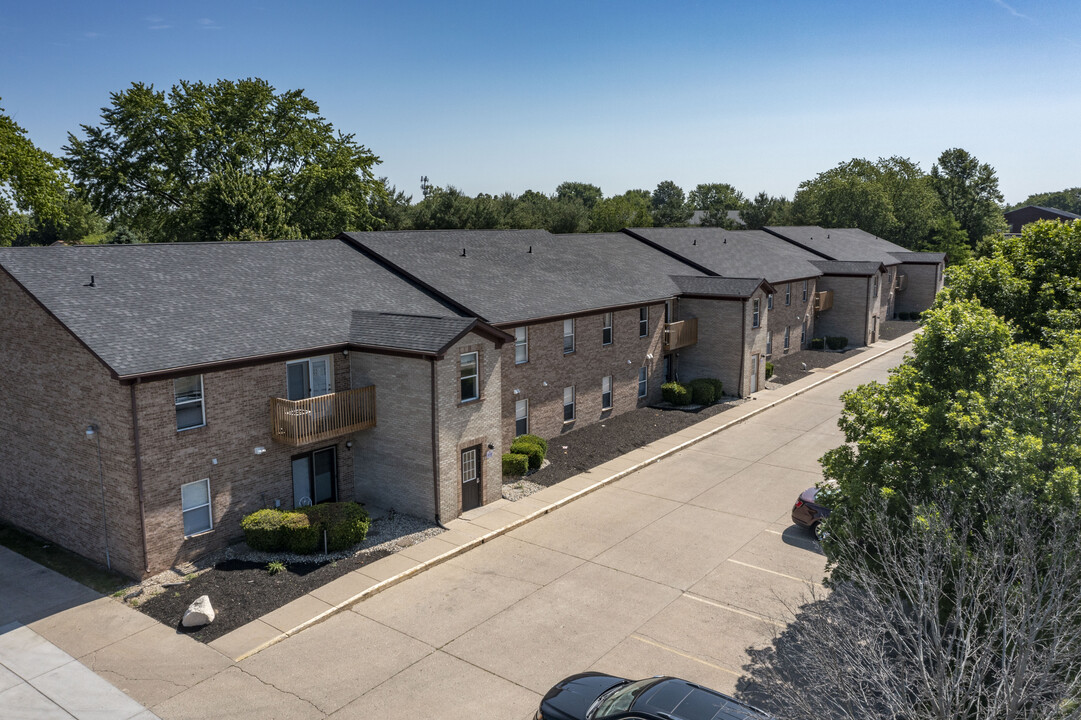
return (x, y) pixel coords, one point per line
(62, 561)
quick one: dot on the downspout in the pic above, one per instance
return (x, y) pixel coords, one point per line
(742, 345)
(435, 446)
(139, 479)
(867, 315)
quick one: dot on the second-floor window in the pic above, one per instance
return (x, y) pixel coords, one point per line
(568, 336)
(643, 322)
(606, 393)
(521, 345)
(467, 371)
(788, 294)
(756, 314)
(804, 291)
(188, 397)
(606, 329)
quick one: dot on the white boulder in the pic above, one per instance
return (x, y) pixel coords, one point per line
(199, 613)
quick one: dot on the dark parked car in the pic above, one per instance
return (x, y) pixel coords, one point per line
(808, 513)
(593, 696)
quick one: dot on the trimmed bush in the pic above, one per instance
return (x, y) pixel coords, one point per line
(531, 450)
(299, 535)
(263, 530)
(675, 393)
(346, 524)
(769, 369)
(818, 343)
(836, 342)
(536, 440)
(718, 388)
(515, 464)
(701, 391)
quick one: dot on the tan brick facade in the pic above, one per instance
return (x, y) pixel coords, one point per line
(727, 340)
(584, 369)
(923, 283)
(799, 309)
(858, 310)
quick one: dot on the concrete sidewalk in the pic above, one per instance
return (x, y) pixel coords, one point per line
(478, 526)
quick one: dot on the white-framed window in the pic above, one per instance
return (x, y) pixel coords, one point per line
(787, 335)
(521, 345)
(804, 291)
(468, 374)
(769, 301)
(803, 334)
(568, 403)
(606, 392)
(874, 287)
(788, 294)
(643, 322)
(606, 329)
(188, 397)
(756, 313)
(769, 342)
(309, 377)
(195, 507)
(643, 382)
(521, 417)
(568, 336)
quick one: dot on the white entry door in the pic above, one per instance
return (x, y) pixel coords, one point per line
(309, 378)
(754, 373)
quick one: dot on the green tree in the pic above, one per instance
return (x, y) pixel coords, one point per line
(1033, 280)
(715, 200)
(1068, 200)
(669, 205)
(443, 209)
(969, 191)
(31, 181)
(391, 207)
(76, 221)
(586, 193)
(157, 159)
(766, 210)
(628, 210)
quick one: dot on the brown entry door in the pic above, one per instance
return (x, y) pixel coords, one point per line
(471, 478)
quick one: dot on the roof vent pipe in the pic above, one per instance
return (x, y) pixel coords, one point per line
(695, 242)
(530, 250)
(724, 241)
(463, 252)
(91, 283)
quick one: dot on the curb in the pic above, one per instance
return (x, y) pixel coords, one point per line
(477, 542)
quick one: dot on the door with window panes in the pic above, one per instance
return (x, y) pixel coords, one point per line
(471, 477)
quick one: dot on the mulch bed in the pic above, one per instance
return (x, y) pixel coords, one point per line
(787, 368)
(242, 591)
(893, 329)
(577, 451)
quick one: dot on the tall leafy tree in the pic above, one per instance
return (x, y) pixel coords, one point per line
(766, 210)
(669, 205)
(193, 164)
(613, 214)
(715, 200)
(586, 193)
(969, 191)
(391, 206)
(31, 181)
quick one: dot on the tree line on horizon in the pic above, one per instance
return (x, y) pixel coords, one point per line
(236, 160)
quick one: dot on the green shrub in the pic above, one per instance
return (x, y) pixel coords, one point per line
(263, 530)
(702, 392)
(769, 369)
(531, 450)
(300, 536)
(536, 440)
(275, 567)
(836, 342)
(675, 393)
(718, 388)
(345, 523)
(515, 464)
(818, 343)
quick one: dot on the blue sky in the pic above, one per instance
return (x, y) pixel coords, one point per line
(509, 96)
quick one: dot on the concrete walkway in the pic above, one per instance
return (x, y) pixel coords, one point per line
(479, 526)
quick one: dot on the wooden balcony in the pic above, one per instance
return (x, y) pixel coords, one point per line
(312, 420)
(901, 282)
(823, 300)
(680, 334)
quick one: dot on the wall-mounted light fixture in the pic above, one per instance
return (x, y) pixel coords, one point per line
(349, 444)
(544, 383)
(649, 356)
(260, 450)
(517, 391)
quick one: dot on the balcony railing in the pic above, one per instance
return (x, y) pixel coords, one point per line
(901, 282)
(680, 334)
(823, 300)
(315, 419)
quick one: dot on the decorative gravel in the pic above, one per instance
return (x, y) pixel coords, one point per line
(241, 589)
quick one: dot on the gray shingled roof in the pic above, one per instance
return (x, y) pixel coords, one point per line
(163, 306)
(501, 281)
(1066, 214)
(734, 253)
(838, 267)
(920, 257)
(717, 286)
(412, 333)
(844, 244)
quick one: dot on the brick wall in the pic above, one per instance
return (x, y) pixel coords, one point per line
(792, 316)
(51, 388)
(584, 369)
(851, 308)
(721, 344)
(464, 424)
(924, 282)
(237, 408)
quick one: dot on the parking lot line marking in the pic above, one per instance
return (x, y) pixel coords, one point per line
(774, 572)
(775, 532)
(647, 641)
(737, 611)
